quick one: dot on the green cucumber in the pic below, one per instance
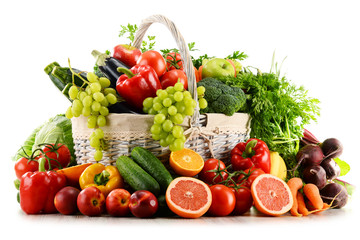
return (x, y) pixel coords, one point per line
(151, 164)
(135, 176)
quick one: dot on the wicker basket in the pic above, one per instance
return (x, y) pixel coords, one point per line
(210, 135)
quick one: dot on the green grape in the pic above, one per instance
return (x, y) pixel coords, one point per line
(109, 90)
(167, 102)
(155, 129)
(164, 111)
(95, 87)
(88, 90)
(98, 155)
(76, 113)
(104, 102)
(180, 106)
(189, 111)
(188, 102)
(177, 118)
(87, 101)
(146, 110)
(156, 137)
(98, 96)
(172, 110)
(82, 95)
(95, 106)
(95, 113)
(193, 103)
(157, 100)
(91, 77)
(95, 142)
(152, 111)
(73, 92)
(99, 133)
(104, 111)
(104, 82)
(200, 90)
(163, 143)
(178, 144)
(86, 111)
(111, 98)
(157, 106)
(167, 125)
(178, 96)
(170, 90)
(162, 94)
(202, 103)
(187, 94)
(170, 139)
(92, 121)
(69, 113)
(179, 87)
(101, 121)
(148, 102)
(163, 135)
(159, 118)
(177, 131)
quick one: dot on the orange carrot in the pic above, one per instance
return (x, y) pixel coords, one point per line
(295, 184)
(301, 205)
(312, 192)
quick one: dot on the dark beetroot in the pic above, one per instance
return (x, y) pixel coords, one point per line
(315, 174)
(331, 168)
(334, 194)
(308, 155)
(332, 148)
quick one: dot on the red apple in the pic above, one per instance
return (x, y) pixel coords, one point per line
(127, 54)
(143, 204)
(91, 201)
(117, 202)
(65, 200)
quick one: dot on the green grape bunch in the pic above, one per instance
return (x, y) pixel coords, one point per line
(170, 107)
(92, 102)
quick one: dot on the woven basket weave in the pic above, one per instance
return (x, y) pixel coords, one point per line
(210, 135)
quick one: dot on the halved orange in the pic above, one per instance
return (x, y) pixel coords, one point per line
(272, 196)
(188, 197)
(186, 162)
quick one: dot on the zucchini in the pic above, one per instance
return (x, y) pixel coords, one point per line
(151, 164)
(135, 176)
(108, 66)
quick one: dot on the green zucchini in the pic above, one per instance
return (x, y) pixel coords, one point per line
(151, 164)
(135, 176)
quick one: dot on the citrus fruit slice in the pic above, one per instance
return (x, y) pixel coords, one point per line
(272, 196)
(188, 197)
(186, 162)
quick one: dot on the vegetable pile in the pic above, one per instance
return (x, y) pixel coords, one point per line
(281, 169)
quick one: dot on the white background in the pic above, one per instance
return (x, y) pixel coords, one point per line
(319, 38)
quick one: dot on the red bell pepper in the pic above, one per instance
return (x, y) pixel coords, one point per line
(138, 83)
(38, 189)
(252, 154)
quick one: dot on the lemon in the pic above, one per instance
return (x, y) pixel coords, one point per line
(278, 166)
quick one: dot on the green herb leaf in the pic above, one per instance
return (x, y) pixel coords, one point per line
(349, 187)
(344, 167)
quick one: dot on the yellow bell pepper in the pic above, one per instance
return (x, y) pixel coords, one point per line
(105, 178)
(278, 166)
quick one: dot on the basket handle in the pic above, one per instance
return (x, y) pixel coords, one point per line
(183, 50)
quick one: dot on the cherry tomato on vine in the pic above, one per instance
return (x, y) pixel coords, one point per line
(171, 77)
(24, 165)
(173, 61)
(153, 59)
(244, 200)
(59, 153)
(223, 200)
(248, 180)
(208, 175)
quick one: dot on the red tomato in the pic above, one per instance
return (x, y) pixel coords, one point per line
(244, 200)
(59, 153)
(208, 175)
(24, 165)
(153, 59)
(223, 200)
(173, 61)
(171, 77)
(254, 172)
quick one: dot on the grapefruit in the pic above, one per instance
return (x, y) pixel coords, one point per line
(186, 162)
(188, 197)
(272, 196)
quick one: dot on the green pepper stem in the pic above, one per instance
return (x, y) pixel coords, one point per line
(249, 147)
(102, 178)
(42, 161)
(128, 72)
